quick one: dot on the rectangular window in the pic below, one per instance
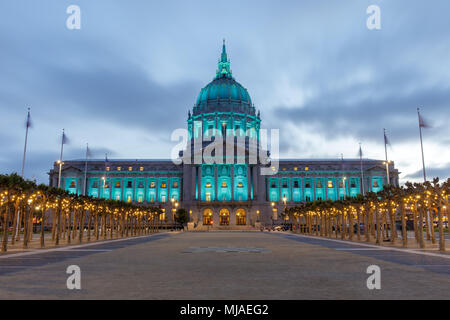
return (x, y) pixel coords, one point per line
(152, 184)
(208, 196)
(285, 184)
(140, 199)
(163, 198)
(128, 198)
(307, 184)
(330, 183)
(141, 168)
(353, 184)
(130, 168)
(224, 184)
(175, 184)
(273, 185)
(208, 185)
(107, 168)
(117, 184)
(72, 184)
(163, 185)
(129, 184)
(306, 168)
(141, 184)
(119, 168)
(295, 184)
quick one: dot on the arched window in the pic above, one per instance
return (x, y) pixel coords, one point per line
(241, 217)
(224, 217)
(207, 217)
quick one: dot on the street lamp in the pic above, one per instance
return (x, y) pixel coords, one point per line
(60, 163)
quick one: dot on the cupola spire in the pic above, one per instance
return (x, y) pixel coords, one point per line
(224, 64)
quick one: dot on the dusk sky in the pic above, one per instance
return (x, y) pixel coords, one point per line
(128, 77)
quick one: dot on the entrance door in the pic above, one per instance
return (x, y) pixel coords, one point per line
(224, 217)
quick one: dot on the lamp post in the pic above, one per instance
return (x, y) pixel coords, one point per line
(60, 163)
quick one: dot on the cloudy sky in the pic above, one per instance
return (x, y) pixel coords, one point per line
(128, 77)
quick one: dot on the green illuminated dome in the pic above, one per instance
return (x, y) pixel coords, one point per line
(224, 94)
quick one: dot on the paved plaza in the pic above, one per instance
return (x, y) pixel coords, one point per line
(225, 265)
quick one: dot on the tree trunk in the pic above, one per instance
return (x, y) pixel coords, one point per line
(422, 242)
(5, 227)
(441, 230)
(44, 205)
(378, 225)
(404, 231)
(14, 230)
(58, 223)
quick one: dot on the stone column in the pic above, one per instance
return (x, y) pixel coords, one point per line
(133, 199)
(291, 187)
(193, 180)
(157, 190)
(314, 187)
(216, 188)
(232, 182)
(249, 184)
(326, 188)
(200, 183)
(255, 182)
(122, 181)
(303, 197)
(145, 190)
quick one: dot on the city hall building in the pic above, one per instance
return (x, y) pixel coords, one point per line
(232, 192)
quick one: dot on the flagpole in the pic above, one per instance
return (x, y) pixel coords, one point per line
(26, 139)
(421, 147)
(387, 162)
(85, 169)
(362, 172)
(60, 160)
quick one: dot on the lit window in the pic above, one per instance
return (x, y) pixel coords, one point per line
(140, 199)
(208, 185)
(208, 196)
(129, 198)
(224, 184)
(117, 184)
(295, 168)
(72, 184)
(152, 184)
(240, 185)
(130, 168)
(273, 169)
(306, 168)
(141, 168)
(330, 184)
(284, 169)
(375, 184)
(163, 185)
(175, 184)
(319, 184)
(107, 168)
(119, 168)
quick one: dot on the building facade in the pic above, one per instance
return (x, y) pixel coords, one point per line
(224, 177)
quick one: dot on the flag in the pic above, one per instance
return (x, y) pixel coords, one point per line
(65, 140)
(423, 123)
(28, 123)
(386, 140)
(88, 152)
